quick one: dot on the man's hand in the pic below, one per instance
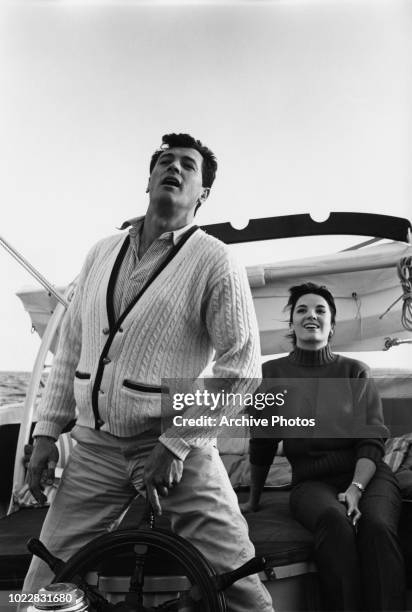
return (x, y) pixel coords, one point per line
(40, 471)
(163, 470)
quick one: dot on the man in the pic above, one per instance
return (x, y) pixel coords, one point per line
(150, 306)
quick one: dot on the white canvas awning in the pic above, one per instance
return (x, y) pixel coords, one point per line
(364, 282)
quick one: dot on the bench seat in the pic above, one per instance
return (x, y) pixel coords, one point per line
(273, 531)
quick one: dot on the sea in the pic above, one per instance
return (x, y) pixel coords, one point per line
(13, 386)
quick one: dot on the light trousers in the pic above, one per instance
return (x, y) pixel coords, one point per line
(100, 481)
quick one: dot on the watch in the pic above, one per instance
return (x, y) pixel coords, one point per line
(358, 485)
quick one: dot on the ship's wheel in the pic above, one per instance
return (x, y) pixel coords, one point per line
(142, 547)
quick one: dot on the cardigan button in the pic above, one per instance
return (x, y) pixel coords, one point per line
(99, 422)
(106, 331)
(106, 360)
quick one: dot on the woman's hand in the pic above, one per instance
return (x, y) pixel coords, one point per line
(351, 499)
(248, 506)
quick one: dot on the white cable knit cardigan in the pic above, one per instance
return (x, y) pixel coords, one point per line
(200, 303)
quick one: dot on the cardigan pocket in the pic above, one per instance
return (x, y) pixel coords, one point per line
(141, 399)
(81, 375)
(135, 386)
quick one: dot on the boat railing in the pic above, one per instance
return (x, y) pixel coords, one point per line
(29, 406)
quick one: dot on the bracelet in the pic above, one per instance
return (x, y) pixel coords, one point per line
(358, 485)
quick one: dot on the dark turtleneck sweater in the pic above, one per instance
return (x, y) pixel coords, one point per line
(316, 457)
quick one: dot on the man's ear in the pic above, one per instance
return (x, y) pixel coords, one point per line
(202, 198)
(148, 185)
(204, 195)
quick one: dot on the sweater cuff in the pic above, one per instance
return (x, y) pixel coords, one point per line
(370, 449)
(177, 446)
(47, 428)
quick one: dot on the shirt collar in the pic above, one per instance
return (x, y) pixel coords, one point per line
(136, 223)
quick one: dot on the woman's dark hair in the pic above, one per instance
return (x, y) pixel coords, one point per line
(209, 165)
(297, 291)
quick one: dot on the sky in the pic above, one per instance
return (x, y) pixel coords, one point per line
(306, 103)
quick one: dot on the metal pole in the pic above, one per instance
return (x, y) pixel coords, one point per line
(31, 270)
(390, 342)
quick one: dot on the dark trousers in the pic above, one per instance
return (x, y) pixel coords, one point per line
(362, 569)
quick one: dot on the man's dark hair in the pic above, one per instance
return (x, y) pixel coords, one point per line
(297, 291)
(209, 165)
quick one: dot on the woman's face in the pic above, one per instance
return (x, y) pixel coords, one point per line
(311, 322)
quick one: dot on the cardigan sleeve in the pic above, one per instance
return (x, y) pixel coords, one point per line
(232, 327)
(57, 405)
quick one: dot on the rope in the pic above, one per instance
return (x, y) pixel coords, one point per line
(358, 316)
(405, 276)
(358, 303)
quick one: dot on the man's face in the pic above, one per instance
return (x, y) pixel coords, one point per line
(176, 180)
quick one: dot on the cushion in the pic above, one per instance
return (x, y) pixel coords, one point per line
(234, 453)
(396, 450)
(238, 468)
(275, 533)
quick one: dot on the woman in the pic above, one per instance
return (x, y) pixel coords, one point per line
(342, 490)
